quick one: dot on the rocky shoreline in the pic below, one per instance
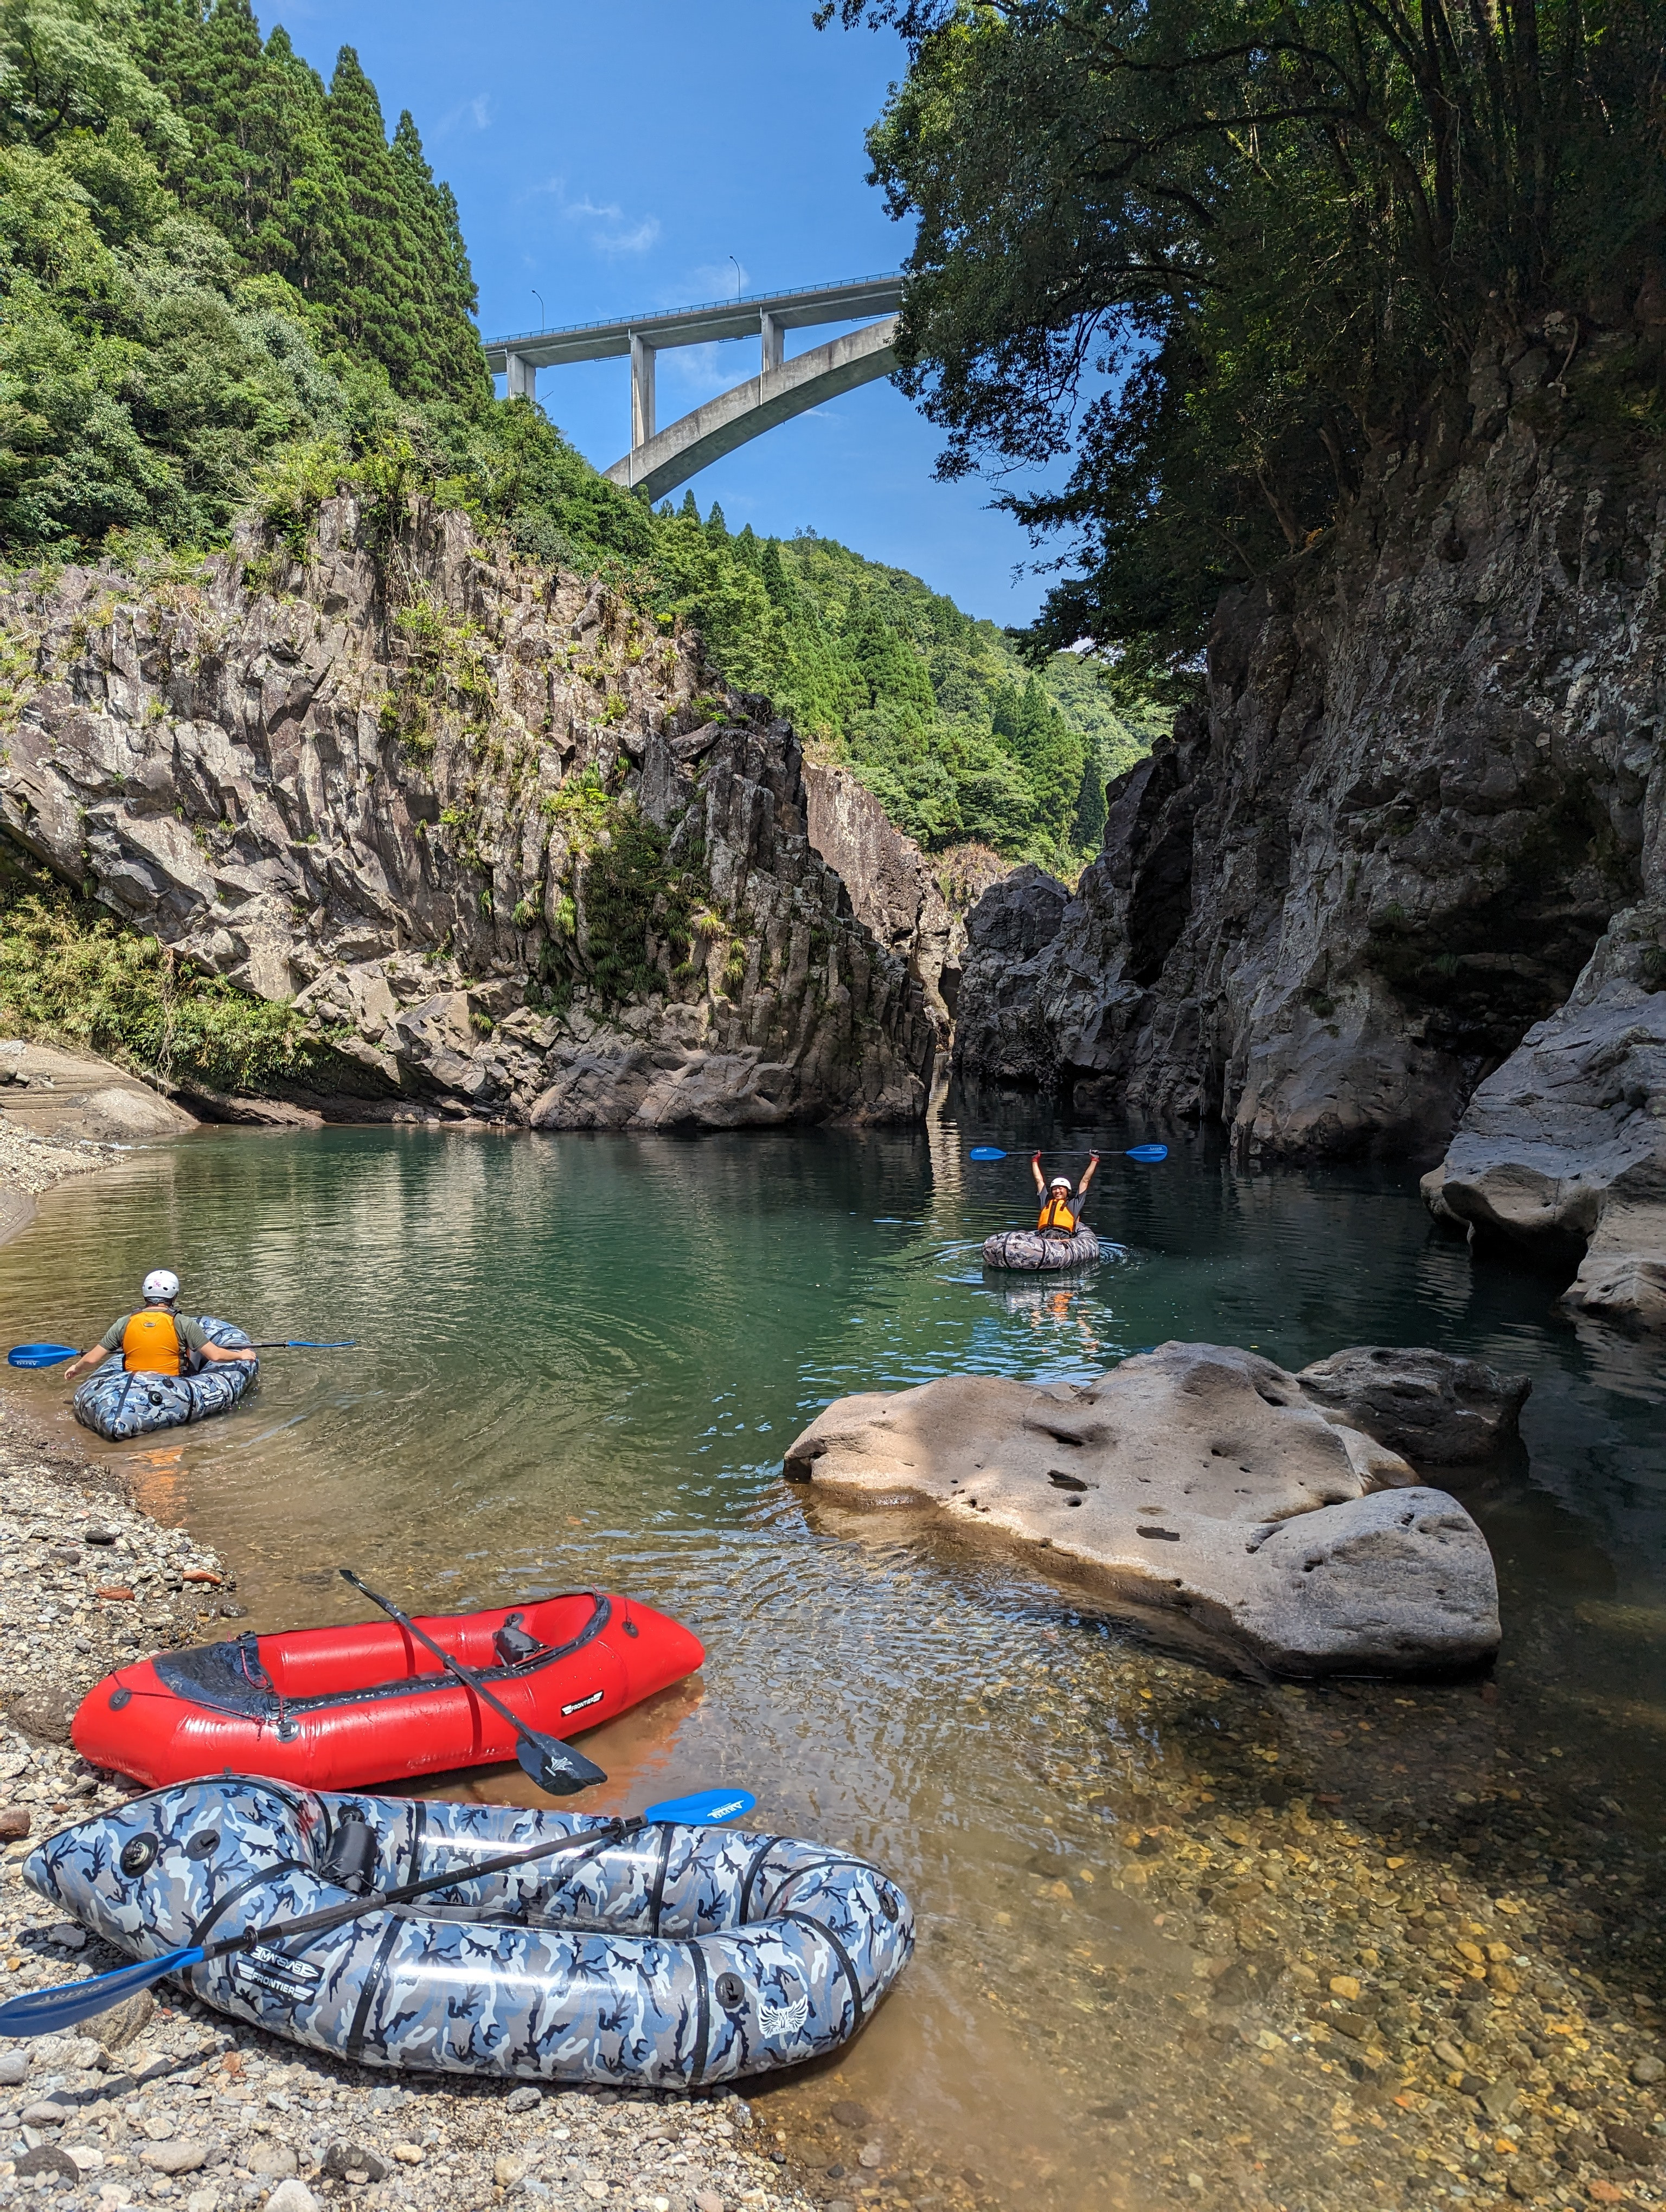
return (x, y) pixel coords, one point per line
(170, 2103)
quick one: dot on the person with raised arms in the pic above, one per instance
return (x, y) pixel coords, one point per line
(1060, 1215)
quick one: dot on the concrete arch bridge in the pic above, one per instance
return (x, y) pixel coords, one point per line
(659, 460)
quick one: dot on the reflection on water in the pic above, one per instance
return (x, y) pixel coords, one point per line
(579, 1360)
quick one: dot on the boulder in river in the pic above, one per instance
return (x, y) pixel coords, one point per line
(1195, 1477)
(1438, 1409)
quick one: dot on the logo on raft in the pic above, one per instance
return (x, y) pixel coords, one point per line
(782, 2019)
(294, 1978)
(579, 1703)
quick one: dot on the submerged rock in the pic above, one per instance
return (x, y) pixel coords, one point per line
(1565, 1145)
(1195, 1477)
(1438, 1409)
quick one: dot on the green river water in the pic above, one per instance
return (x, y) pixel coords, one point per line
(579, 1361)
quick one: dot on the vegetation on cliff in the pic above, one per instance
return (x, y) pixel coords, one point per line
(74, 975)
(930, 709)
(1222, 250)
(222, 284)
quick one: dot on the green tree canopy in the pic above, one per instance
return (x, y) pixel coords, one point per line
(1217, 249)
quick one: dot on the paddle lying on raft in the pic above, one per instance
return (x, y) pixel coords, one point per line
(1147, 1155)
(49, 1355)
(554, 1765)
(49, 2012)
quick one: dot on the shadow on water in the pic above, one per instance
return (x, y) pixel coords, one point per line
(1137, 1871)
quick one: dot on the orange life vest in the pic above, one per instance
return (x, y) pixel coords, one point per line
(1056, 1214)
(150, 1343)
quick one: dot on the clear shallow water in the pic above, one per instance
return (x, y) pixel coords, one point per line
(580, 1362)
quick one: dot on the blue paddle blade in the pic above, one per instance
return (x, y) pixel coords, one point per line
(39, 1355)
(705, 1808)
(1149, 1153)
(986, 1152)
(48, 2012)
(328, 1344)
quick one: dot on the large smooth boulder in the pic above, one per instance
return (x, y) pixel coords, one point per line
(70, 1094)
(1195, 1477)
(1565, 1145)
(1437, 1409)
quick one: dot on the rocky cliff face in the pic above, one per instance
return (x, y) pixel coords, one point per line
(914, 906)
(518, 852)
(1431, 770)
(1564, 1148)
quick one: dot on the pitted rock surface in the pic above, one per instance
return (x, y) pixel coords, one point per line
(361, 784)
(1429, 771)
(1198, 1478)
(1435, 1408)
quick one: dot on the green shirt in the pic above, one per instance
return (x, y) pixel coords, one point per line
(191, 1336)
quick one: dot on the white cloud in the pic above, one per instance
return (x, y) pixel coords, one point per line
(606, 226)
(717, 280)
(477, 111)
(707, 370)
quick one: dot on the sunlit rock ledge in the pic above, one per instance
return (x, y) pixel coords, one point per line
(1197, 1477)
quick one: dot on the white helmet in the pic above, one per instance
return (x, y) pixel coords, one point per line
(1059, 1183)
(161, 1282)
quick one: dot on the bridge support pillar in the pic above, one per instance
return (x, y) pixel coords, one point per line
(520, 378)
(642, 390)
(775, 342)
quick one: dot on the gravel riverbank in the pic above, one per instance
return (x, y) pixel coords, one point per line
(170, 2103)
(30, 1163)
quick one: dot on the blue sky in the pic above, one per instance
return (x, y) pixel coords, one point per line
(613, 156)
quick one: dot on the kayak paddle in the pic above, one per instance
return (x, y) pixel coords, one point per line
(554, 1765)
(1147, 1155)
(49, 2012)
(48, 1355)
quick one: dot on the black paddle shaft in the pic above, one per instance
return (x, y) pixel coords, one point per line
(373, 1901)
(577, 1771)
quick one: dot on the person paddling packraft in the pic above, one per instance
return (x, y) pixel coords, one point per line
(1060, 1215)
(155, 1340)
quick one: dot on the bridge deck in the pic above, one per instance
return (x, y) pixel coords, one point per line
(802, 309)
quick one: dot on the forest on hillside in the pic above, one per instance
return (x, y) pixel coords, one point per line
(224, 286)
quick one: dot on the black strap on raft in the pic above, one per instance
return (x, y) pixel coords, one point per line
(337, 1915)
(351, 1854)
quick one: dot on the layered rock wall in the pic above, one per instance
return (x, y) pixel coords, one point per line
(518, 852)
(1429, 771)
(914, 905)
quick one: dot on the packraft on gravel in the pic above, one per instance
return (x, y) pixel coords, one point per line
(117, 1404)
(348, 1707)
(657, 1956)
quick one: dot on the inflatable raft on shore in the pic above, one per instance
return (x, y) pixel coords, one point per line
(117, 1404)
(1030, 1250)
(661, 1957)
(342, 1708)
